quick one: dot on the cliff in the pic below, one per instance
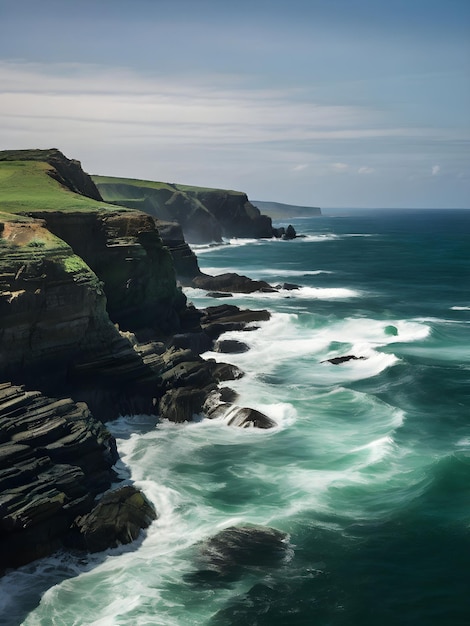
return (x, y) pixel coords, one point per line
(55, 331)
(92, 325)
(281, 211)
(204, 214)
(67, 172)
(54, 460)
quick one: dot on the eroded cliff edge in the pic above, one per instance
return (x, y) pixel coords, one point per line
(92, 325)
(204, 214)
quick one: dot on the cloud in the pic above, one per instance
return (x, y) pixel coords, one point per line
(340, 167)
(435, 170)
(215, 130)
(122, 104)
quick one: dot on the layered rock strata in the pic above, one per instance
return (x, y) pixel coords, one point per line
(125, 251)
(55, 331)
(90, 308)
(55, 457)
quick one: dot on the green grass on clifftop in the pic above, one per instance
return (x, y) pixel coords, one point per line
(151, 184)
(27, 186)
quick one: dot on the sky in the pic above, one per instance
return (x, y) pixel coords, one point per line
(331, 103)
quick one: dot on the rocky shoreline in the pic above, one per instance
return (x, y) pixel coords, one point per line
(93, 325)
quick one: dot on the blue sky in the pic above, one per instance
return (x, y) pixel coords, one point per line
(332, 103)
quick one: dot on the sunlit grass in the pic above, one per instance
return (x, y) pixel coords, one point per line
(27, 186)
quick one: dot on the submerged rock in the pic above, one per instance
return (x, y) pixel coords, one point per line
(227, 554)
(219, 294)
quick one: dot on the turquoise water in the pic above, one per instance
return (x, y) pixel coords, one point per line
(368, 470)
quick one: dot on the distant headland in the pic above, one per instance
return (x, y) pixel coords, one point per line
(281, 211)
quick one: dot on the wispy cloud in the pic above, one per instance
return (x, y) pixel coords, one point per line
(340, 167)
(185, 111)
(215, 130)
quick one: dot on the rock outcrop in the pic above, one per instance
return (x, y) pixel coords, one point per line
(338, 360)
(116, 520)
(231, 282)
(55, 457)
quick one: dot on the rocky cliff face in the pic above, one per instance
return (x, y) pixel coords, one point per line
(235, 213)
(55, 331)
(184, 260)
(125, 251)
(205, 215)
(68, 279)
(54, 459)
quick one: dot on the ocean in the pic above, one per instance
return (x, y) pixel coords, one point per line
(368, 470)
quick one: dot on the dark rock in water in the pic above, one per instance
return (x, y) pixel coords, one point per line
(288, 286)
(337, 360)
(244, 417)
(196, 342)
(279, 232)
(226, 371)
(227, 395)
(224, 317)
(117, 519)
(285, 233)
(218, 402)
(260, 605)
(224, 556)
(290, 232)
(231, 282)
(219, 294)
(182, 404)
(230, 346)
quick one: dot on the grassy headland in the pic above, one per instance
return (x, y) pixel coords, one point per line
(29, 186)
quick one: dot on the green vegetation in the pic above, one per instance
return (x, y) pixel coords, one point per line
(74, 264)
(10, 217)
(27, 186)
(150, 184)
